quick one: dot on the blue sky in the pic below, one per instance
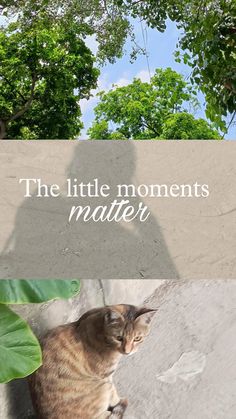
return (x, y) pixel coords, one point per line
(160, 47)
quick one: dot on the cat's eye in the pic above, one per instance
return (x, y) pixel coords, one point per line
(138, 338)
(119, 338)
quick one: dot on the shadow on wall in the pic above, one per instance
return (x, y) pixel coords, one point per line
(19, 403)
(45, 245)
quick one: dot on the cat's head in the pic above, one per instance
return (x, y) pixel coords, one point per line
(126, 327)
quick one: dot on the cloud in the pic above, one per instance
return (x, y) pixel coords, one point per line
(87, 104)
(122, 82)
(91, 43)
(105, 84)
(144, 75)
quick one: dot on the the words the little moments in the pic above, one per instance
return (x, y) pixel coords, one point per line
(124, 204)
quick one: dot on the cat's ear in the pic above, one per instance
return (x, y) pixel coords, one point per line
(145, 316)
(112, 317)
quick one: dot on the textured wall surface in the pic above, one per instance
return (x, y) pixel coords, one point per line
(182, 238)
(185, 368)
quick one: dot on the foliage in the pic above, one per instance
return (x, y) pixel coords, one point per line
(99, 130)
(20, 352)
(141, 110)
(208, 40)
(185, 126)
(45, 69)
(107, 21)
(208, 36)
(21, 291)
(116, 135)
(20, 349)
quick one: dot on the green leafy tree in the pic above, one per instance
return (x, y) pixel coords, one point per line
(210, 43)
(208, 36)
(185, 126)
(108, 22)
(149, 110)
(208, 39)
(45, 69)
(100, 130)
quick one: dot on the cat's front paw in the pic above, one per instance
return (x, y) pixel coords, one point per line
(119, 410)
(124, 403)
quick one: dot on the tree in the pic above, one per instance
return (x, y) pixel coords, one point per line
(184, 126)
(108, 22)
(208, 36)
(45, 69)
(209, 43)
(149, 110)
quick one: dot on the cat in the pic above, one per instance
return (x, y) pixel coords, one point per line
(79, 359)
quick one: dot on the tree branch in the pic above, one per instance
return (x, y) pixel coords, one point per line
(3, 128)
(148, 126)
(9, 83)
(28, 102)
(229, 125)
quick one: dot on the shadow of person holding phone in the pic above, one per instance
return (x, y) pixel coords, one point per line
(45, 245)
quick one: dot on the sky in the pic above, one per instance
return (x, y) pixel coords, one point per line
(160, 47)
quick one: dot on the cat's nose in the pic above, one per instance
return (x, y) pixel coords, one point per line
(127, 349)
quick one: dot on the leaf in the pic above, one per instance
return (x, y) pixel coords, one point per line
(21, 291)
(20, 352)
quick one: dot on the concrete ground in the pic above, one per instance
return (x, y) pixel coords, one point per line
(186, 368)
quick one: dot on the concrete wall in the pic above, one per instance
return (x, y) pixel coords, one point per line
(186, 367)
(182, 238)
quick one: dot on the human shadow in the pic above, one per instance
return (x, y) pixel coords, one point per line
(45, 245)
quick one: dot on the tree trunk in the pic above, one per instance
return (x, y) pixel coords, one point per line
(3, 129)
(4, 124)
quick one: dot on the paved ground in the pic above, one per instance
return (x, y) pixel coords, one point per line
(186, 369)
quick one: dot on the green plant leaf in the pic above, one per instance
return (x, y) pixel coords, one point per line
(20, 352)
(22, 291)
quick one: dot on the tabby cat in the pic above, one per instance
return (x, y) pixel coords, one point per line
(79, 359)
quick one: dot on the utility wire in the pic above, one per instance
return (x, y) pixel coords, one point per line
(229, 125)
(145, 42)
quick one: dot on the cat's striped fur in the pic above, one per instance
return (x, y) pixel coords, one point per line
(79, 359)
